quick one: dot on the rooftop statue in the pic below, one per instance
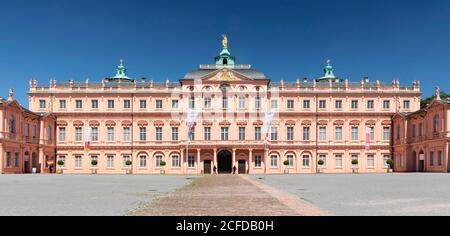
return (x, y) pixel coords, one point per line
(225, 41)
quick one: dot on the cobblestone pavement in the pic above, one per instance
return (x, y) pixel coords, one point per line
(227, 195)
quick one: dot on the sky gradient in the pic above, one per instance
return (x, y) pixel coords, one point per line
(285, 39)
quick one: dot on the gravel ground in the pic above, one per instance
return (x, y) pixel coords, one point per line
(81, 195)
(370, 195)
(218, 195)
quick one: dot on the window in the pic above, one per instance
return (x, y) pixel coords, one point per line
(94, 136)
(290, 104)
(125, 159)
(110, 104)
(159, 104)
(62, 134)
(355, 157)
(174, 134)
(42, 104)
(63, 159)
(62, 104)
(274, 104)
(110, 162)
(290, 159)
(386, 104)
(143, 133)
(224, 102)
(406, 104)
(224, 134)
(431, 158)
(322, 104)
(126, 104)
(16, 159)
(370, 104)
(8, 159)
(370, 161)
(257, 102)
(241, 102)
(257, 133)
(191, 161)
(110, 134)
(78, 134)
(398, 132)
(306, 104)
(27, 130)
(158, 160)
(338, 161)
(274, 133)
(322, 133)
(49, 133)
(306, 133)
(143, 161)
(420, 129)
(386, 133)
(440, 158)
(413, 131)
(354, 104)
(94, 158)
(158, 134)
(257, 161)
(385, 160)
(207, 132)
(78, 104)
(436, 123)
(355, 132)
(339, 133)
(324, 159)
(175, 161)
(78, 162)
(192, 134)
(372, 134)
(94, 104)
(191, 102)
(143, 104)
(12, 125)
(305, 160)
(274, 161)
(290, 133)
(241, 133)
(175, 104)
(126, 134)
(338, 104)
(208, 102)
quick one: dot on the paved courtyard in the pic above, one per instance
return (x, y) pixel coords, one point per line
(81, 195)
(407, 194)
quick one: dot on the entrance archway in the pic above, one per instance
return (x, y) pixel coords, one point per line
(421, 162)
(26, 164)
(225, 162)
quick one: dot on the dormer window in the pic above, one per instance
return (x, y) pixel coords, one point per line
(12, 125)
(225, 61)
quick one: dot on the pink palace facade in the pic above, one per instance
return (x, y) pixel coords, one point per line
(146, 122)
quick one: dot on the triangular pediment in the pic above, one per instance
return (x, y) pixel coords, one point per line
(225, 75)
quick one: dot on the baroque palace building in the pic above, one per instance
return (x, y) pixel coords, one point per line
(121, 118)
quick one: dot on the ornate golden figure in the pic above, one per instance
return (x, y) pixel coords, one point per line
(225, 41)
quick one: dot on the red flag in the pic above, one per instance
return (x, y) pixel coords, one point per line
(368, 132)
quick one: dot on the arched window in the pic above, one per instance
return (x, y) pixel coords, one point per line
(225, 61)
(12, 125)
(436, 123)
(143, 160)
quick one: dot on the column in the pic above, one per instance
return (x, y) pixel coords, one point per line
(198, 161)
(234, 161)
(41, 133)
(2, 124)
(41, 160)
(1, 158)
(250, 161)
(182, 163)
(215, 161)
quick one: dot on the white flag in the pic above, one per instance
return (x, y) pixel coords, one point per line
(191, 120)
(268, 118)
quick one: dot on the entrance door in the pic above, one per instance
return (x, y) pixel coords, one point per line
(421, 166)
(207, 167)
(242, 167)
(225, 165)
(26, 164)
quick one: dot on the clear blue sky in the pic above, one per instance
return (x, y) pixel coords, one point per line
(286, 39)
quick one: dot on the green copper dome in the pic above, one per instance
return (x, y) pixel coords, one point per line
(329, 74)
(121, 74)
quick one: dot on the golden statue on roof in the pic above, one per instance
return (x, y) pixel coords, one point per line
(225, 41)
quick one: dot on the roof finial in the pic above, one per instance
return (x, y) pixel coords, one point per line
(225, 41)
(438, 93)
(11, 94)
(329, 70)
(121, 70)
